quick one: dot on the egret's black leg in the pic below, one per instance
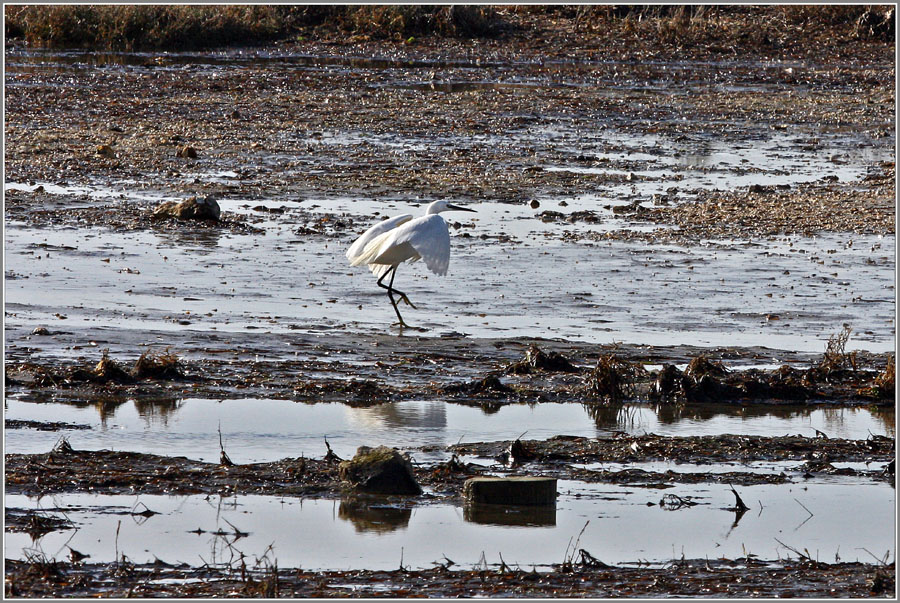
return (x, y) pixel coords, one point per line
(390, 287)
(400, 293)
(391, 291)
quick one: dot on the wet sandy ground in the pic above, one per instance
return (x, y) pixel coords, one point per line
(768, 215)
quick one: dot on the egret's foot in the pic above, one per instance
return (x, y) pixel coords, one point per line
(406, 300)
(403, 325)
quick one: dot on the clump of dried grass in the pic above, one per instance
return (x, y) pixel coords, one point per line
(613, 379)
(157, 366)
(884, 386)
(836, 357)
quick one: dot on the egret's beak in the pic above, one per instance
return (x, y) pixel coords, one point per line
(458, 208)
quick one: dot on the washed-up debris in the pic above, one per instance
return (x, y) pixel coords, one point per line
(354, 392)
(489, 386)
(149, 366)
(884, 387)
(730, 578)
(42, 425)
(673, 502)
(164, 365)
(537, 360)
(613, 379)
(516, 454)
(35, 523)
(623, 448)
(195, 208)
(380, 470)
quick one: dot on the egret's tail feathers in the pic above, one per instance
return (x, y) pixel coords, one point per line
(371, 251)
(379, 269)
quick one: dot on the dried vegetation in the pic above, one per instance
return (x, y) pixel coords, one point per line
(149, 366)
(713, 28)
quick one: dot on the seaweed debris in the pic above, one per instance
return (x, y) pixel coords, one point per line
(538, 360)
(613, 379)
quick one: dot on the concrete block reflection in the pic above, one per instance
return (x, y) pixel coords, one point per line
(510, 515)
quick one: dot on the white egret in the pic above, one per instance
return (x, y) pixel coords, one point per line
(402, 238)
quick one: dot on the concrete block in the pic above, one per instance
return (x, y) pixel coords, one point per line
(510, 490)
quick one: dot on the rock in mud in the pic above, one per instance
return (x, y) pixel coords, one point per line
(190, 209)
(104, 150)
(380, 470)
(186, 152)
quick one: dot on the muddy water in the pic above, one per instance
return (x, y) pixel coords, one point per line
(512, 275)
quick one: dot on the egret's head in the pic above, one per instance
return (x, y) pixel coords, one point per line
(439, 206)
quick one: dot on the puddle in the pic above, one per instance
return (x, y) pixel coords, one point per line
(268, 430)
(622, 527)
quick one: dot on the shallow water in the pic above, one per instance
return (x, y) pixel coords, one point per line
(595, 292)
(621, 528)
(268, 430)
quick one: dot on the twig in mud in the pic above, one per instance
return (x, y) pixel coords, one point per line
(740, 507)
(503, 566)
(882, 561)
(795, 551)
(238, 533)
(567, 565)
(588, 560)
(673, 502)
(820, 434)
(223, 456)
(147, 512)
(446, 565)
(402, 569)
(482, 563)
(330, 455)
(118, 527)
(62, 446)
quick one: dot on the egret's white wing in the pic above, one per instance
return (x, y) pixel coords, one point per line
(429, 237)
(382, 227)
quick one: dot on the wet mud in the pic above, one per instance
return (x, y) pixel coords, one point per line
(467, 372)
(697, 578)
(65, 469)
